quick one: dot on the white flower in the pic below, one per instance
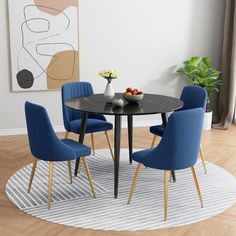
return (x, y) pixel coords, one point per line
(111, 74)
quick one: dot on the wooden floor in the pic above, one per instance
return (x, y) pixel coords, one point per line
(219, 147)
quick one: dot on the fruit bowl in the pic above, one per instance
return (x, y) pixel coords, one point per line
(133, 98)
(133, 95)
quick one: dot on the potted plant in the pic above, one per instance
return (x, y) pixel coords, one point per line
(199, 72)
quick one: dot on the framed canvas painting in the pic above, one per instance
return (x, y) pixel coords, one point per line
(44, 43)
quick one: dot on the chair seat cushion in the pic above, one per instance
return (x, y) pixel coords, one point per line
(149, 159)
(157, 130)
(152, 160)
(140, 155)
(93, 125)
(80, 149)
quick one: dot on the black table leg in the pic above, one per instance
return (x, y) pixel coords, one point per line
(164, 119)
(117, 153)
(164, 122)
(130, 136)
(81, 137)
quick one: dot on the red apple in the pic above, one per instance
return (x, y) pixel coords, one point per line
(129, 90)
(134, 91)
(139, 93)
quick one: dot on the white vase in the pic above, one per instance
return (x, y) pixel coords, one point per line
(109, 92)
(207, 120)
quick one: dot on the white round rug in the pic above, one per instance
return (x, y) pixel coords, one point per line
(73, 205)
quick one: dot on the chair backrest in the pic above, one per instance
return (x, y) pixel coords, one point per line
(179, 146)
(70, 91)
(193, 97)
(44, 144)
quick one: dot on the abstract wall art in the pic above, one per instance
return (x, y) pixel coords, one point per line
(44, 43)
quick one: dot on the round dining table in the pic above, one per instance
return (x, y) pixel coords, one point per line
(97, 104)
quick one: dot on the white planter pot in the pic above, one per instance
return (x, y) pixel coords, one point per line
(207, 121)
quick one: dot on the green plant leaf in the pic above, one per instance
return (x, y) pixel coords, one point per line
(194, 61)
(203, 70)
(206, 61)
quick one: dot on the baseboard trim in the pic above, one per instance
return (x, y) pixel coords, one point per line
(136, 123)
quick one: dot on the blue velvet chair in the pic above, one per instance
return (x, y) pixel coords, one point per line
(46, 146)
(72, 118)
(178, 149)
(193, 97)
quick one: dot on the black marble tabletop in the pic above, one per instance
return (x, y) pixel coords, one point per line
(151, 104)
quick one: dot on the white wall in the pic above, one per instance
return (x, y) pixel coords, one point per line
(143, 39)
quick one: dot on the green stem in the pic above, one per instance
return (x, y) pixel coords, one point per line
(109, 80)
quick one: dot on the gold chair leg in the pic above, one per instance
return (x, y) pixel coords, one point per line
(202, 158)
(66, 134)
(69, 170)
(197, 185)
(154, 141)
(32, 174)
(89, 176)
(134, 182)
(166, 179)
(92, 140)
(79, 167)
(109, 144)
(50, 184)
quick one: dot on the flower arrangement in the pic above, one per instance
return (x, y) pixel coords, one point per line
(108, 74)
